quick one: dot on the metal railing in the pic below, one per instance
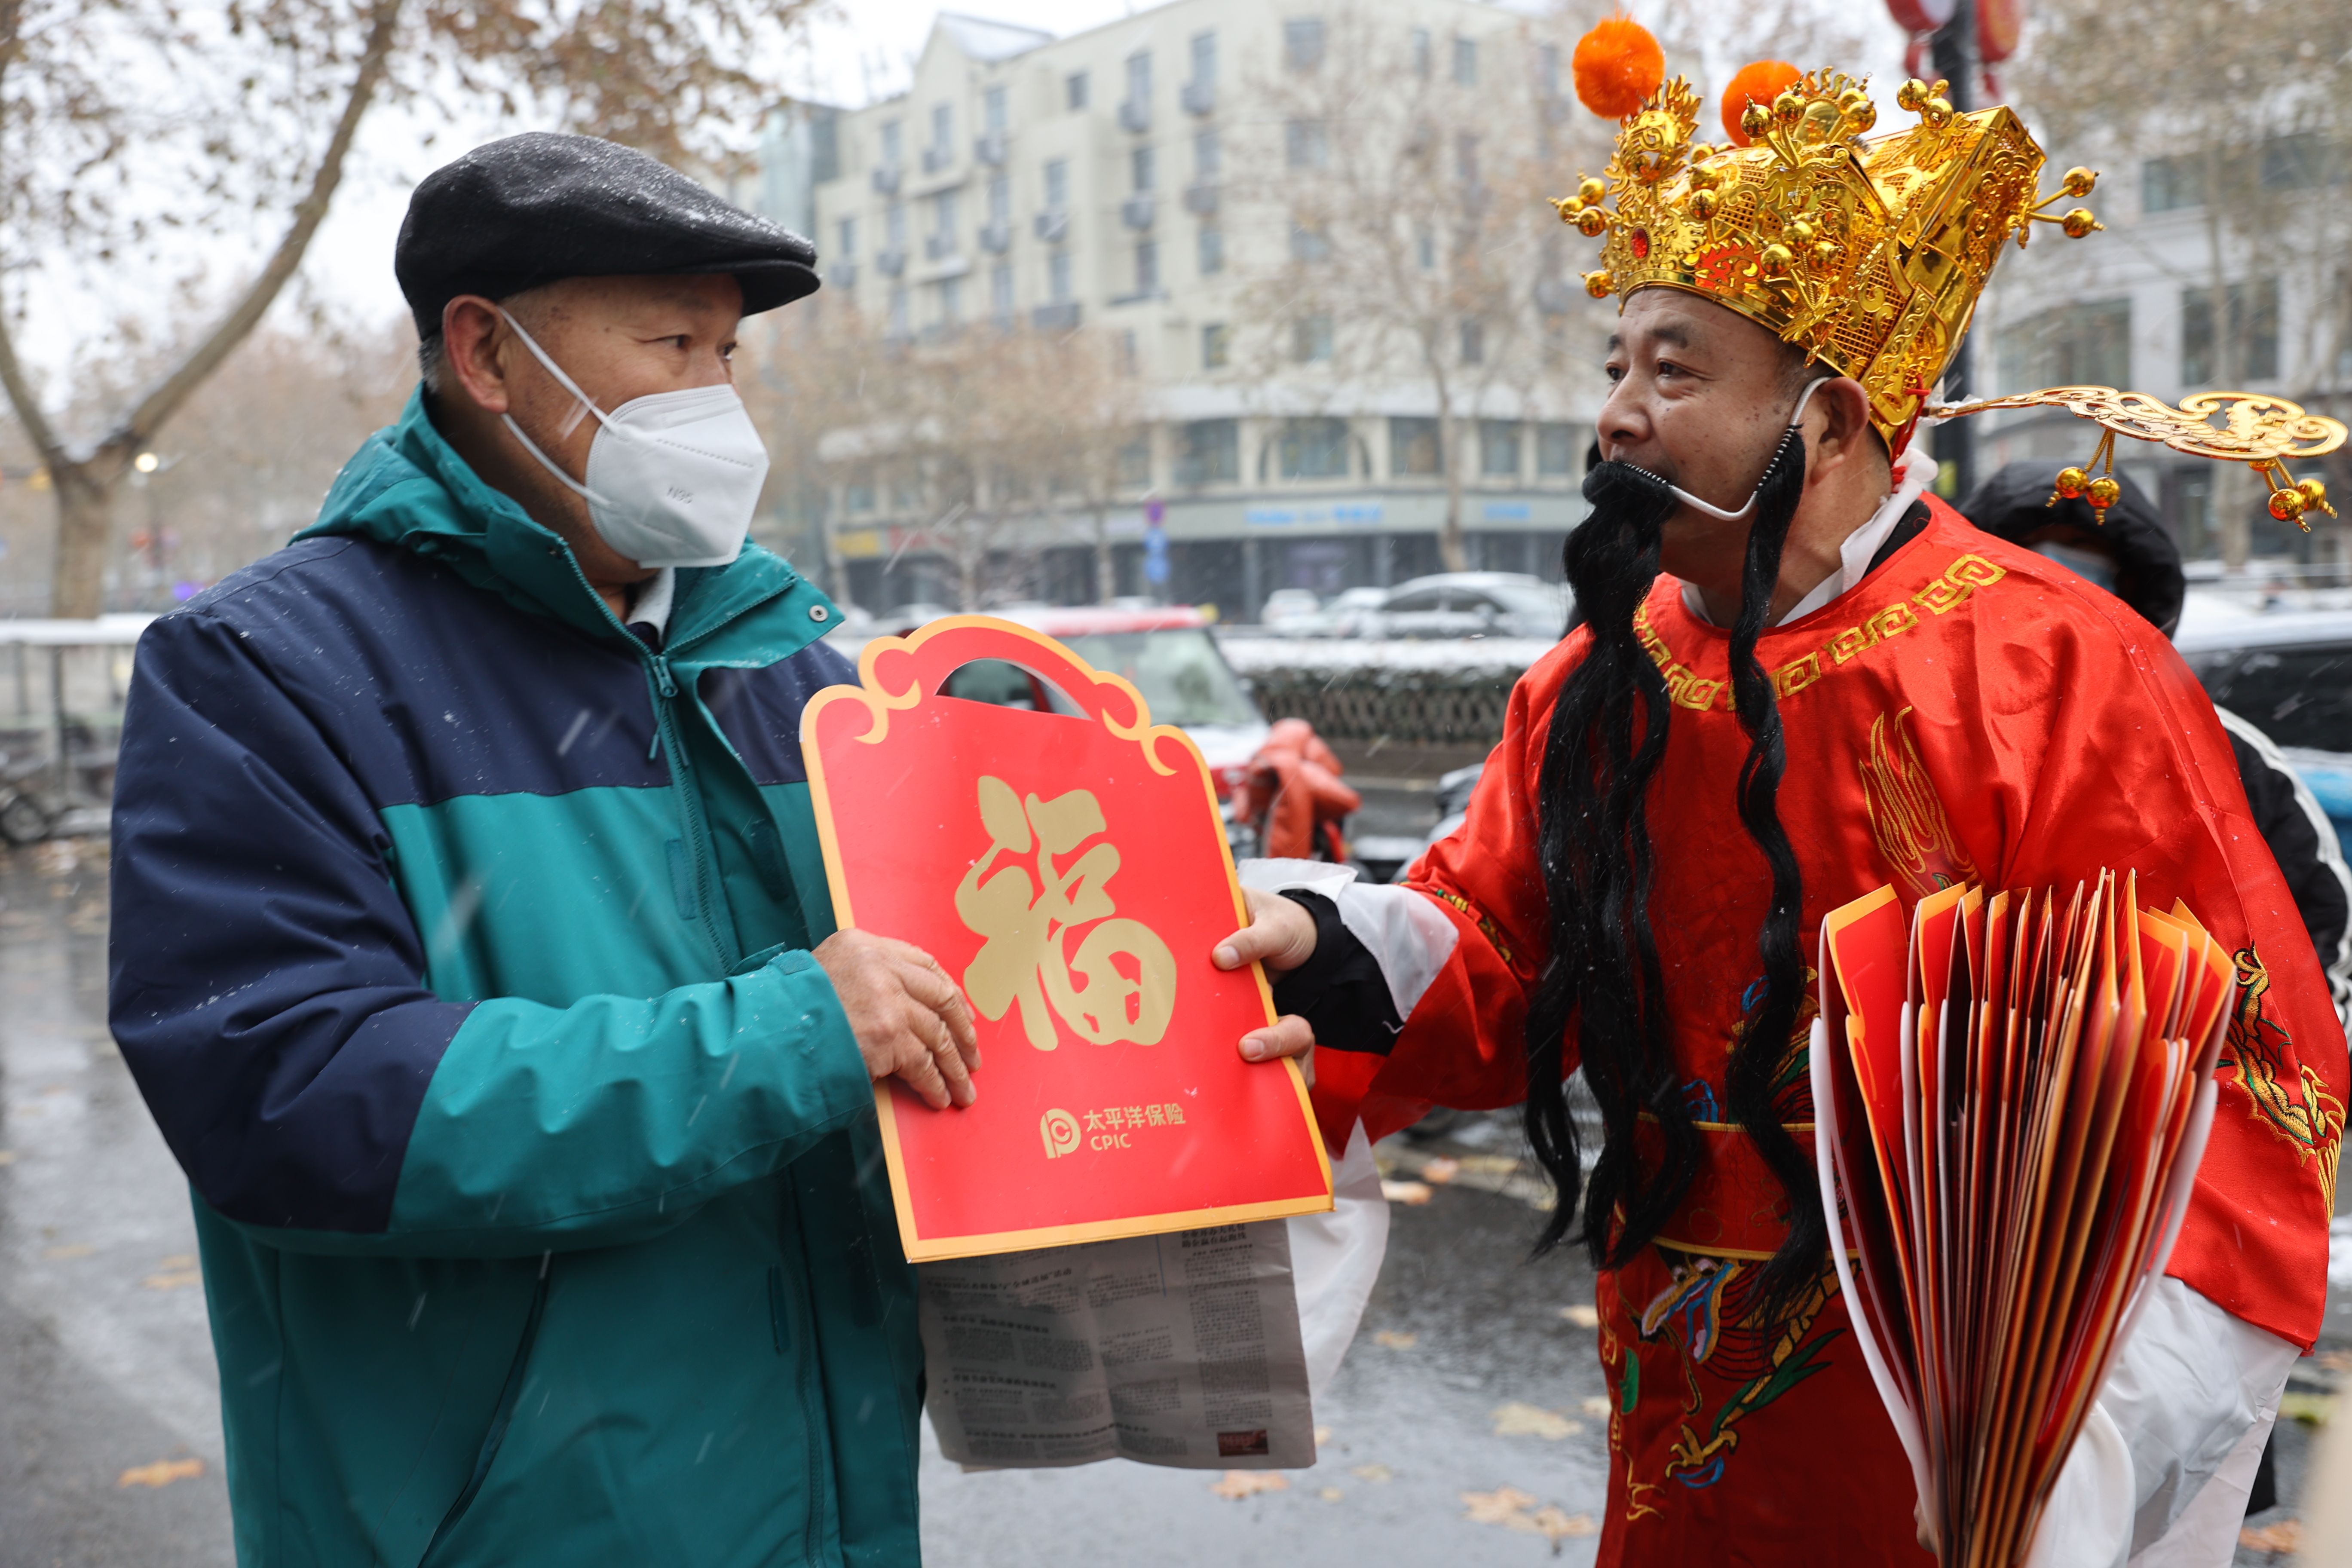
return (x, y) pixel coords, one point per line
(61, 717)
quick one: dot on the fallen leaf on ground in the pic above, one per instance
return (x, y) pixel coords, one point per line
(7, 1156)
(1553, 1523)
(1490, 1164)
(172, 1280)
(1378, 1475)
(2286, 1535)
(70, 1250)
(1240, 1484)
(1519, 1420)
(177, 1260)
(161, 1473)
(2311, 1409)
(1415, 1193)
(1582, 1317)
(1394, 1340)
(1496, 1507)
(1322, 1436)
(1440, 1170)
(1596, 1405)
(1330, 1494)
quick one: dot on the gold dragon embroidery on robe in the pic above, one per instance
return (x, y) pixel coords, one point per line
(2293, 1099)
(1907, 814)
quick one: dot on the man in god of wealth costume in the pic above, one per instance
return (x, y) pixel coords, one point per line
(1801, 676)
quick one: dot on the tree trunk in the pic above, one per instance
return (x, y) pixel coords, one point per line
(1106, 569)
(2232, 502)
(1451, 550)
(85, 537)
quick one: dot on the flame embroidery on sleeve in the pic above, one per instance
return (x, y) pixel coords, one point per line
(1907, 814)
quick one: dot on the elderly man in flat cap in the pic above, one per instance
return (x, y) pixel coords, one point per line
(472, 948)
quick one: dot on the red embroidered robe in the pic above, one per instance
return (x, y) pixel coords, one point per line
(1969, 711)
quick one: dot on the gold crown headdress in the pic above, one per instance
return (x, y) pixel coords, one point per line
(1869, 254)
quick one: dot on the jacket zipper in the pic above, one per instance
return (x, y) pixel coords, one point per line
(698, 831)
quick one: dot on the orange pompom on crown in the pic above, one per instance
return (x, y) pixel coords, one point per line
(1617, 65)
(1758, 83)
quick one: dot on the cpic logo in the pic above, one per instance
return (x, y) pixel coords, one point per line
(1059, 1128)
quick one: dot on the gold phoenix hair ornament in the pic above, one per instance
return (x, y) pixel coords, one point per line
(1869, 255)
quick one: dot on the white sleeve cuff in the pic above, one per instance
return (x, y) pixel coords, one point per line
(1406, 934)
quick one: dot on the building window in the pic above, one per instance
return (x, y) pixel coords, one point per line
(1310, 340)
(1138, 81)
(1216, 346)
(1302, 42)
(1413, 449)
(943, 218)
(1312, 449)
(1422, 53)
(1073, 90)
(951, 302)
(999, 291)
(1309, 245)
(1465, 160)
(1057, 184)
(1305, 144)
(1147, 266)
(893, 149)
(2087, 345)
(1057, 278)
(1208, 155)
(1465, 62)
(848, 238)
(1133, 462)
(893, 227)
(2169, 185)
(943, 129)
(1141, 166)
(857, 494)
(1555, 450)
(999, 199)
(1474, 342)
(1426, 249)
(1498, 449)
(2249, 322)
(1209, 452)
(1213, 251)
(1204, 62)
(900, 324)
(992, 110)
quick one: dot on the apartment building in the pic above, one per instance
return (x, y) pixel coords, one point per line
(2139, 307)
(1089, 181)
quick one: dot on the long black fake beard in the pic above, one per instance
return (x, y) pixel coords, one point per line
(1598, 865)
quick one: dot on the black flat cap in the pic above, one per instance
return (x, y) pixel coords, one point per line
(515, 213)
(2149, 578)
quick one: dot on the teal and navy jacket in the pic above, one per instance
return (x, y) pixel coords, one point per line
(460, 951)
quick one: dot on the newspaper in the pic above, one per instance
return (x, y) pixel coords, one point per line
(1181, 1349)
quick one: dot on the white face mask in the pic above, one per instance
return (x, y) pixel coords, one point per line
(673, 477)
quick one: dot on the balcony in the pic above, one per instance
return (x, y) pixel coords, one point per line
(887, 178)
(937, 158)
(1199, 97)
(1061, 318)
(890, 263)
(1201, 199)
(996, 238)
(939, 247)
(1136, 212)
(990, 149)
(1054, 227)
(1135, 115)
(843, 275)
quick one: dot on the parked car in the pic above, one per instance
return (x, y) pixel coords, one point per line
(1471, 603)
(1287, 608)
(2290, 677)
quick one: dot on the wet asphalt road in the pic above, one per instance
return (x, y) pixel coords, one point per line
(106, 1366)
